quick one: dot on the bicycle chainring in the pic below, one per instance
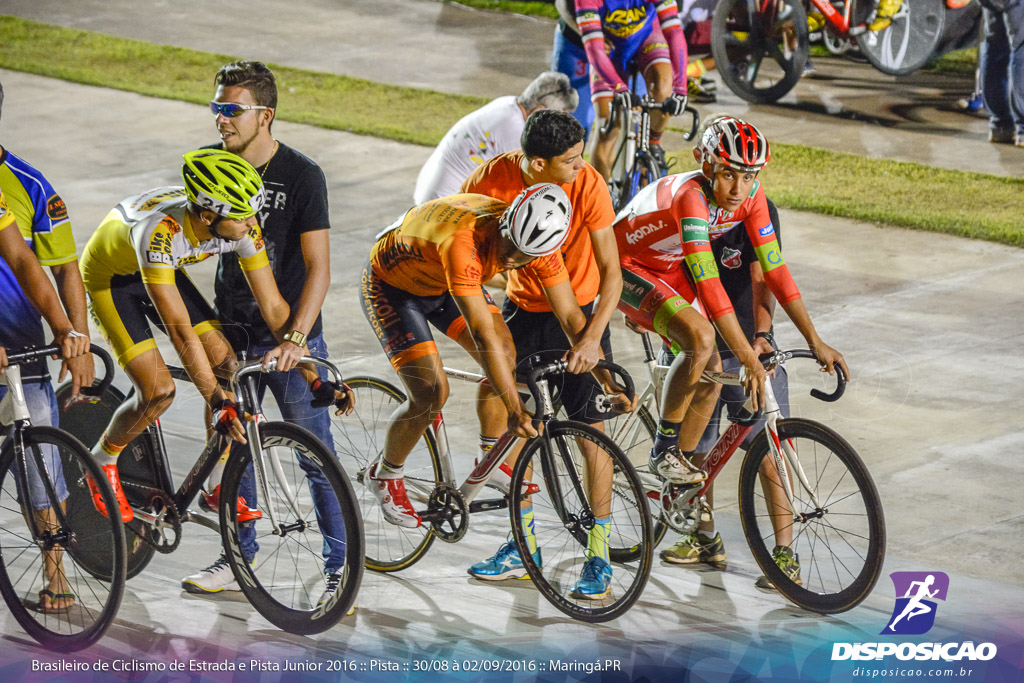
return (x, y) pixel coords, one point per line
(681, 509)
(165, 535)
(450, 513)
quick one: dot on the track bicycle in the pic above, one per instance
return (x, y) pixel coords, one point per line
(799, 481)
(551, 472)
(48, 537)
(285, 578)
(761, 46)
(634, 167)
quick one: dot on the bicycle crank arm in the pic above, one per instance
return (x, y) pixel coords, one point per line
(490, 504)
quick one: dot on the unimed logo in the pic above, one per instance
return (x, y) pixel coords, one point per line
(914, 614)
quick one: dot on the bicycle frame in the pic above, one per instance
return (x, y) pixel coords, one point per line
(243, 385)
(674, 498)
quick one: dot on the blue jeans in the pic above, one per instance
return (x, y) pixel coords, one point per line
(42, 407)
(1001, 61)
(293, 398)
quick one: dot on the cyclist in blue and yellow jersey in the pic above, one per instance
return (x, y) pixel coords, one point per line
(133, 271)
(25, 293)
(619, 35)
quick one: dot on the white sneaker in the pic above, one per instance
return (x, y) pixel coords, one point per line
(333, 585)
(394, 501)
(214, 579)
(674, 467)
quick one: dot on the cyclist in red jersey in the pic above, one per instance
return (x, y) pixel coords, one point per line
(673, 221)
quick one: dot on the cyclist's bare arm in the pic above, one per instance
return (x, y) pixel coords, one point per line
(606, 254)
(496, 355)
(41, 294)
(167, 300)
(71, 290)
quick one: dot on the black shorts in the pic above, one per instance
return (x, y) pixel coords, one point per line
(400, 319)
(124, 311)
(540, 334)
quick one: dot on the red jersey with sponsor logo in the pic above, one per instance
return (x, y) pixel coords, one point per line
(450, 244)
(673, 221)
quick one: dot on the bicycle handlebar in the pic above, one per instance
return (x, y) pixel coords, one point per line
(647, 104)
(779, 357)
(255, 365)
(538, 372)
(30, 355)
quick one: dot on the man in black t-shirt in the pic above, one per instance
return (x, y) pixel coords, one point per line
(295, 226)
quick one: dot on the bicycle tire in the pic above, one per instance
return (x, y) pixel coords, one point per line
(86, 419)
(823, 453)
(286, 579)
(644, 172)
(909, 42)
(636, 444)
(740, 43)
(359, 442)
(561, 533)
(93, 539)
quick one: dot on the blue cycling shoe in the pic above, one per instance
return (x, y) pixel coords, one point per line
(505, 564)
(595, 583)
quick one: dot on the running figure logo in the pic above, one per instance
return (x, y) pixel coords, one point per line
(914, 612)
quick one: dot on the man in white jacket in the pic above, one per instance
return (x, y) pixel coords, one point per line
(491, 130)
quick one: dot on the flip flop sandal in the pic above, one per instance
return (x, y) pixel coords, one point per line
(46, 592)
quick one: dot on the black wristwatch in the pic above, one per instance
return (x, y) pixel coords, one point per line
(768, 336)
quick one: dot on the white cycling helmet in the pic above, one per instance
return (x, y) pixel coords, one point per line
(538, 219)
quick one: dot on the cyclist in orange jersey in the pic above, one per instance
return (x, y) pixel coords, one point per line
(428, 268)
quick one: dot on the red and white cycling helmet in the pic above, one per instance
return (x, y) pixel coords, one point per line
(735, 144)
(538, 219)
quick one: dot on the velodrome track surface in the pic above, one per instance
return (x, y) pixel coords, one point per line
(931, 325)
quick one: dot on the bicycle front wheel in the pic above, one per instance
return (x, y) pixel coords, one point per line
(53, 542)
(839, 542)
(909, 41)
(760, 55)
(563, 519)
(359, 441)
(644, 172)
(309, 528)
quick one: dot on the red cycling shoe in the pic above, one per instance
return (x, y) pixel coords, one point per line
(211, 503)
(115, 483)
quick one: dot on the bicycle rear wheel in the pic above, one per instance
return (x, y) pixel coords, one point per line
(909, 41)
(73, 540)
(839, 543)
(359, 442)
(760, 56)
(563, 520)
(309, 495)
(86, 419)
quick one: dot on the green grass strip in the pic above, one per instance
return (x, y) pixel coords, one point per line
(536, 9)
(327, 100)
(900, 193)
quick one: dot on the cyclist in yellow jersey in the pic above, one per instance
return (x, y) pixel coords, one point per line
(132, 267)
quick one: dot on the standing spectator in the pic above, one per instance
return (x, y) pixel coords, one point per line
(487, 132)
(1001, 58)
(295, 226)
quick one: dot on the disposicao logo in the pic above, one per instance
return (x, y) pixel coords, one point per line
(914, 614)
(916, 593)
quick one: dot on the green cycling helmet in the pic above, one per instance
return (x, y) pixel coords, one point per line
(223, 182)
